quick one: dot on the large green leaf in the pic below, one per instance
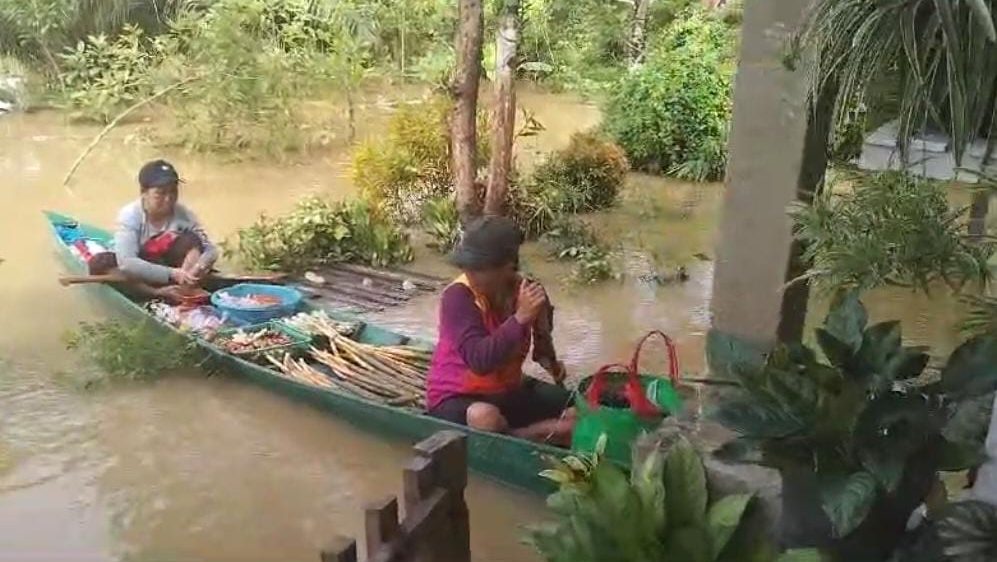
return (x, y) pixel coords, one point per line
(983, 16)
(722, 520)
(970, 421)
(800, 555)
(969, 532)
(685, 486)
(688, 544)
(971, 369)
(839, 353)
(649, 484)
(731, 357)
(847, 319)
(753, 419)
(847, 500)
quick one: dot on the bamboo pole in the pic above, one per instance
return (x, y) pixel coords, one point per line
(114, 123)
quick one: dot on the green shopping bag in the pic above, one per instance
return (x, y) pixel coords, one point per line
(621, 404)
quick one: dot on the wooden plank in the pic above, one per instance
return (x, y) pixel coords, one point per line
(420, 276)
(342, 549)
(429, 516)
(418, 481)
(381, 523)
(382, 274)
(448, 451)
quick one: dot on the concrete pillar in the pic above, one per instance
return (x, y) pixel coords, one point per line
(777, 156)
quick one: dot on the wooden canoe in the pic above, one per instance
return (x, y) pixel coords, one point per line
(514, 462)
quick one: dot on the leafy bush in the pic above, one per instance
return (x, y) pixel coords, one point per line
(890, 229)
(662, 512)
(575, 241)
(410, 164)
(585, 176)
(102, 76)
(255, 63)
(675, 109)
(441, 221)
(130, 352)
(319, 232)
(864, 421)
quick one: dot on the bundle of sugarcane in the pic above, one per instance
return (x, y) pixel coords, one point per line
(301, 371)
(394, 375)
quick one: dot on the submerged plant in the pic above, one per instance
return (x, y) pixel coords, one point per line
(663, 511)
(131, 352)
(321, 232)
(864, 422)
(576, 242)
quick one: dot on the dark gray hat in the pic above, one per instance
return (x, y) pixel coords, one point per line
(487, 242)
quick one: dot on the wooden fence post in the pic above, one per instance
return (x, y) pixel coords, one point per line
(447, 453)
(341, 550)
(436, 527)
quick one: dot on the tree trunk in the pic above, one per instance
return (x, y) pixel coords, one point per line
(504, 117)
(638, 32)
(978, 211)
(464, 121)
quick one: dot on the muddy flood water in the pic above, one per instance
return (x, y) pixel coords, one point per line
(197, 468)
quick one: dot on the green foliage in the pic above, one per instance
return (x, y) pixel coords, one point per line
(585, 176)
(319, 232)
(256, 62)
(858, 419)
(410, 164)
(890, 229)
(441, 221)
(672, 113)
(575, 241)
(37, 31)
(968, 531)
(102, 76)
(131, 352)
(662, 512)
(940, 53)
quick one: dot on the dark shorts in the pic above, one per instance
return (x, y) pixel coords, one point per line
(177, 252)
(522, 407)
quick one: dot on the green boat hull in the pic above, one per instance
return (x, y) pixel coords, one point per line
(512, 461)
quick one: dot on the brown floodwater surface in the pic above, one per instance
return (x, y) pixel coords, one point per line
(210, 468)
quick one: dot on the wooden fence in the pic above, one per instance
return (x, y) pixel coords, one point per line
(435, 528)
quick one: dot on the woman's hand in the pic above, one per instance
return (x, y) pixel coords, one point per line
(184, 277)
(530, 302)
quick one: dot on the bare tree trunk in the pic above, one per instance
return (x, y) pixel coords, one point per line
(464, 121)
(638, 32)
(504, 117)
(978, 211)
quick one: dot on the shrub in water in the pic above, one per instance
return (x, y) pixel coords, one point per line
(575, 241)
(441, 222)
(102, 76)
(587, 175)
(319, 232)
(888, 229)
(410, 165)
(139, 351)
(672, 113)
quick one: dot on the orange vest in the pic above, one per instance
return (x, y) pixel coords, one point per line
(510, 375)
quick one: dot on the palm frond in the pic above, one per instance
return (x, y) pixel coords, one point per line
(942, 53)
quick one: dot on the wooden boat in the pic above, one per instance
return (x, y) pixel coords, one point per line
(512, 461)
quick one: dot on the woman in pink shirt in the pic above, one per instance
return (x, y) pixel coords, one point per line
(489, 317)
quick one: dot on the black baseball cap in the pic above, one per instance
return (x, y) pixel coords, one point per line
(158, 173)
